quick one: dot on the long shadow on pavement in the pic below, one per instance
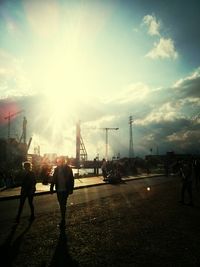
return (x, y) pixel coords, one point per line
(61, 257)
(9, 250)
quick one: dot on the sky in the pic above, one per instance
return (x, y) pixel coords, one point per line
(100, 62)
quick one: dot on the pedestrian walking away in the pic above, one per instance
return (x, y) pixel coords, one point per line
(28, 187)
(187, 173)
(104, 169)
(197, 173)
(63, 180)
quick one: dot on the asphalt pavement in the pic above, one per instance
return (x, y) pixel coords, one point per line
(129, 226)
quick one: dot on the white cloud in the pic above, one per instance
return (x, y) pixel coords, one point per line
(100, 122)
(194, 75)
(131, 94)
(13, 79)
(184, 137)
(152, 24)
(163, 49)
(178, 136)
(187, 90)
(166, 112)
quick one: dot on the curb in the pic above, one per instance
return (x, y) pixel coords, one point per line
(80, 187)
(48, 192)
(3, 188)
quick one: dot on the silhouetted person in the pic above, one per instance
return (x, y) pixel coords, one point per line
(166, 166)
(27, 190)
(197, 172)
(104, 169)
(2, 177)
(44, 174)
(114, 175)
(95, 166)
(147, 167)
(63, 180)
(187, 172)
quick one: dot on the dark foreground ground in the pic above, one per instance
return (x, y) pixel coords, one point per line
(147, 228)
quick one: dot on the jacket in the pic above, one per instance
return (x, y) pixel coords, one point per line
(68, 174)
(28, 185)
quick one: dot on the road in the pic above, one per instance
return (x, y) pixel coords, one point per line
(45, 204)
(107, 225)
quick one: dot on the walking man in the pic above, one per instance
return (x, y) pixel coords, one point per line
(63, 180)
(104, 169)
(27, 190)
(187, 173)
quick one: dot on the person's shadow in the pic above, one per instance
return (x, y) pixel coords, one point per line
(61, 257)
(9, 250)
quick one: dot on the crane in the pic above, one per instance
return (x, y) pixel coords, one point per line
(106, 130)
(131, 152)
(81, 153)
(23, 136)
(9, 118)
(80, 145)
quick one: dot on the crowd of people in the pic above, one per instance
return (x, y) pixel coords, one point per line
(188, 169)
(111, 171)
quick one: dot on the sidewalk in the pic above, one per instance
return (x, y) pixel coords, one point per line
(12, 193)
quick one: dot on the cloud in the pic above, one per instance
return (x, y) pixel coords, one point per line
(132, 93)
(185, 140)
(181, 136)
(152, 24)
(166, 112)
(163, 49)
(179, 102)
(162, 117)
(13, 78)
(188, 86)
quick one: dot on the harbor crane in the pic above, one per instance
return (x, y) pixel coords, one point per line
(131, 151)
(23, 136)
(106, 129)
(81, 152)
(9, 119)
